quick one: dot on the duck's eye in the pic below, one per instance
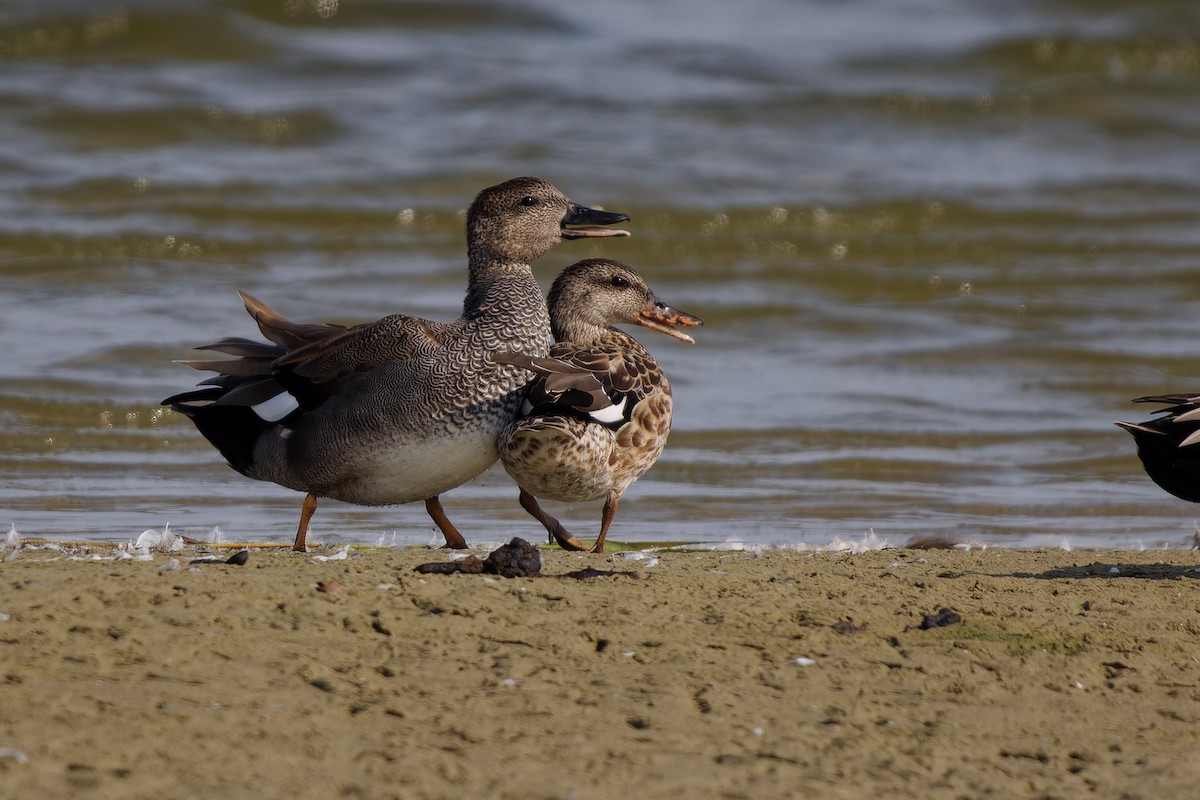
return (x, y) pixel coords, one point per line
(620, 281)
(529, 200)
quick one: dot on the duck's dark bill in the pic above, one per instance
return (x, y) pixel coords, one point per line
(663, 318)
(582, 222)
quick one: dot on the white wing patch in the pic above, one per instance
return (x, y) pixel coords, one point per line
(610, 414)
(276, 408)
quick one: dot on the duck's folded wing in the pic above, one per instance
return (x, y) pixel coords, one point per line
(601, 383)
(622, 371)
(363, 347)
(299, 371)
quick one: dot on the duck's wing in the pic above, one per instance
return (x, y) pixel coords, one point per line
(299, 369)
(603, 383)
(398, 337)
(322, 352)
(282, 331)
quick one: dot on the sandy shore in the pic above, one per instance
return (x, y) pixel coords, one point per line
(786, 674)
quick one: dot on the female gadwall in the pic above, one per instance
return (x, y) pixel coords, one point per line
(599, 409)
(1169, 445)
(401, 409)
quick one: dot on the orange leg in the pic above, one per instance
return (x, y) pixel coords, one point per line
(565, 540)
(306, 511)
(454, 539)
(610, 511)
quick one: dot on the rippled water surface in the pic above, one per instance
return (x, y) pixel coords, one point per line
(938, 246)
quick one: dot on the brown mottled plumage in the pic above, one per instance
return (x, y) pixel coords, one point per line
(598, 411)
(403, 408)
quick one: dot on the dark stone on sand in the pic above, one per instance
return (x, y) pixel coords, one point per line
(517, 559)
(239, 558)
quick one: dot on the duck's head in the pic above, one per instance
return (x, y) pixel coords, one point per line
(520, 220)
(597, 293)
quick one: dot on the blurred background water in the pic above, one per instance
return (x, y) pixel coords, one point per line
(938, 245)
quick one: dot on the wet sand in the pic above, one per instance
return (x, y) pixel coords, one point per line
(713, 674)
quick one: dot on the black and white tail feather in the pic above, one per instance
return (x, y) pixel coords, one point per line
(240, 404)
(251, 395)
(1169, 444)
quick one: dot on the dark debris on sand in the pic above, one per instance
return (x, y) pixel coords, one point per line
(237, 559)
(590, 572)
(517, 559)
(943, 617)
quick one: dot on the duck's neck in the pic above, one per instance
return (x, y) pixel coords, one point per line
(578, 331)
(505, 289)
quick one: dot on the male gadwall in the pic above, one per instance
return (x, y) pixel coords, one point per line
(1169, 445)
(599, 409)
(404, 408)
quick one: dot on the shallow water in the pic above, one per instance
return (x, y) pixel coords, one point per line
(937, 247)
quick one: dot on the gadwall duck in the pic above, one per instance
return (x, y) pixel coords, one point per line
(401, 409)
(1169, 445)
(598, 410)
